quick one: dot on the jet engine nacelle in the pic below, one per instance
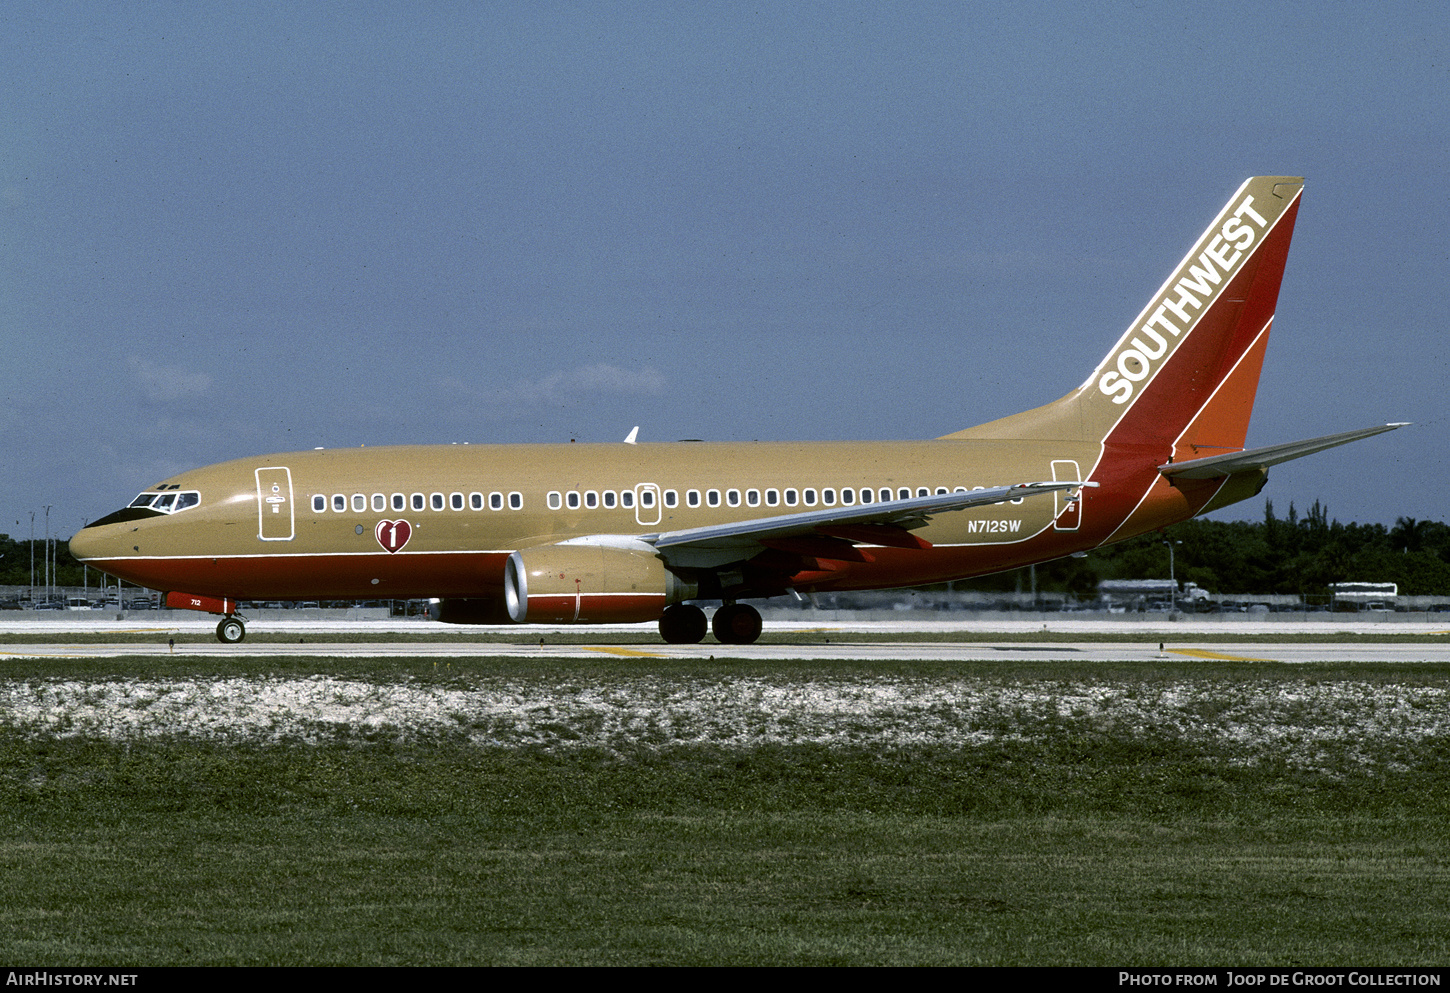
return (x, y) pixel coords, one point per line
(587, 580)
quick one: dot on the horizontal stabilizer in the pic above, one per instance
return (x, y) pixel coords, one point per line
(1261, 458)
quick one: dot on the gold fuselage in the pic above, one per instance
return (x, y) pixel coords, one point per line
(237, 543)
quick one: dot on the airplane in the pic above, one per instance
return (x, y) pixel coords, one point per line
(637, 532)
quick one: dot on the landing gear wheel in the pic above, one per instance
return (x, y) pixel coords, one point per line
(231, 630)
(683, 624)
(736, 624)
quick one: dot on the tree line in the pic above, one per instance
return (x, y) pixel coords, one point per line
(1293, 554)
(1299, 555)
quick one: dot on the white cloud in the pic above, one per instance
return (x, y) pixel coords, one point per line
(575, 384)
(165, 384)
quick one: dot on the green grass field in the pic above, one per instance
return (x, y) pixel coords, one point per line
(330, 811)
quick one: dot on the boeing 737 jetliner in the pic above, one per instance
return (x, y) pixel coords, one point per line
(636, 532)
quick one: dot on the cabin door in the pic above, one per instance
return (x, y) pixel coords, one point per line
(274, 503)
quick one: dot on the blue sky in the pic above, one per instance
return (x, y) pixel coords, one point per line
(229, 230)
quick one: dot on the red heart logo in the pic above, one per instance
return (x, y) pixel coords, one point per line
(393, 535)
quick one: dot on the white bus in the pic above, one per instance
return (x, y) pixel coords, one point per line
(1364, 596)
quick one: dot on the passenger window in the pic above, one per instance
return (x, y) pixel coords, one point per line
(752, 498)
(475, 501)
(555, 500)
(626, 498)
(339, 502)
(591, 499)
(495, 501)
(646, 498)
(790, 498)
(865, 495)
(942, 491)
(772, 498)
(809, 495)
(692, 498)
(516, 500)
(732, 497)
(572, 499)
(437, 501)
(400, 502)
(922, 491)
(848, 496)
(713, 498)
(885, 494)
(455, 501)
(380, 502)
(319, 504)
(828, 497)
(672, 499)
(610, 499)
(359, 503)
(420, 502)
(903, 494)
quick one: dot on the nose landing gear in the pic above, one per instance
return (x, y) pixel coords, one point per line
(231, 630)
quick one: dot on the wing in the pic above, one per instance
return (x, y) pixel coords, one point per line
(833, 532)
(1261, 458)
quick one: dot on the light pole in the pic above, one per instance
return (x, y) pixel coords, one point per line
(1173, 580)
(49, 575)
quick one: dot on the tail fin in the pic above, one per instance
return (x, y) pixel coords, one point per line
(1182, 378)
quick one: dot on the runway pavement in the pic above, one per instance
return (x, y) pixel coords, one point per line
(831, 642)
(1083, 652)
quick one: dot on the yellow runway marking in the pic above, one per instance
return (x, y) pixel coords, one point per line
(41, 655)
(612, 650)
(1195, 653)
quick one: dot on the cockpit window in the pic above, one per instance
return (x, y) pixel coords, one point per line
(152, 504)
(168, 503)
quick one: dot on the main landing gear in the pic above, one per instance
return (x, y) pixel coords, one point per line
(683, 624)
(734, 624)
(231, 630)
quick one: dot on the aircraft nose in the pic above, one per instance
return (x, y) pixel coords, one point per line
(81, 546)
(91, 543)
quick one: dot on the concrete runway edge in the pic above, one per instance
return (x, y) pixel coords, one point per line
(1180, 640)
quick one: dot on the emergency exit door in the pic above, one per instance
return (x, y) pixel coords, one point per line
(1068, 515)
